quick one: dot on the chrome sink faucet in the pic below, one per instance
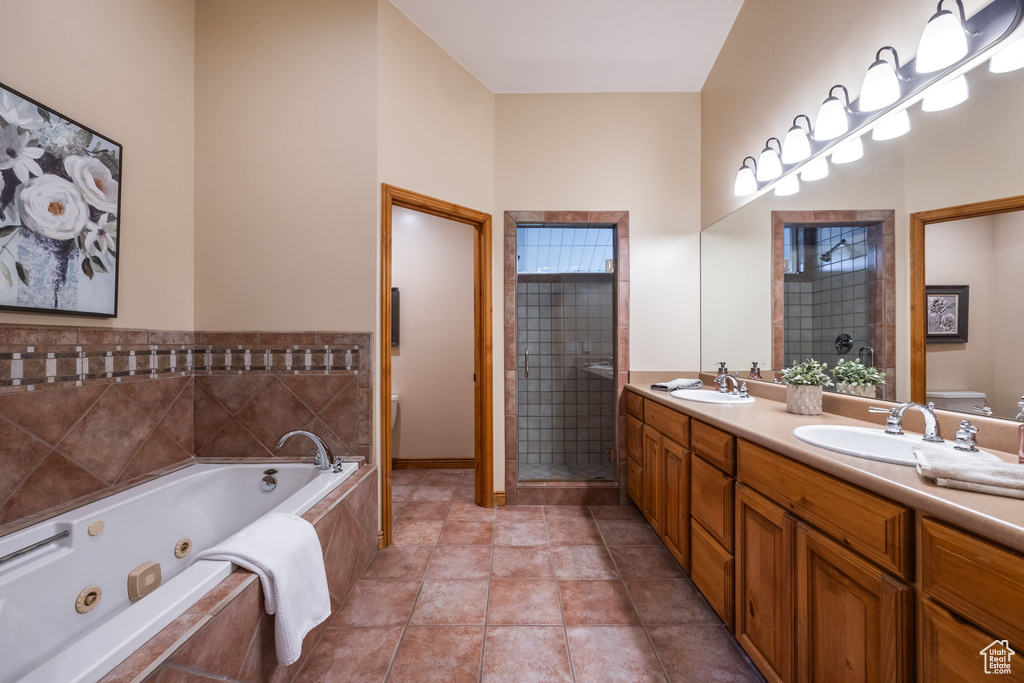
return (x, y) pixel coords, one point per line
(894, 423)
(738, 388)
(323, 458)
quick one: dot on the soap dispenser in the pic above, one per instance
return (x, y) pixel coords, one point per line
(722, 370)
(755, 372)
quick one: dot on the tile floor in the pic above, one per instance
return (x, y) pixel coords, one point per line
(520, 594)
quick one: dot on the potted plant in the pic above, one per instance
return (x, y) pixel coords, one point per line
(803, 386)
(853, 377)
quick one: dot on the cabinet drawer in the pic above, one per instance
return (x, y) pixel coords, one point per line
(635, 482)
(634, 405)
(976, 579)
(875, 527)
(634, 438)
(673, 425)
(951, 648)
(717, 447)
(711, 500)
(711, 568)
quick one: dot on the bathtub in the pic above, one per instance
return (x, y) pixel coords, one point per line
(44, 638)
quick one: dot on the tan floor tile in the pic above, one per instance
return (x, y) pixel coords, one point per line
(567, 512)
(399, 562)
(612, 653)
(583, 532)
(516, 654)
(622, 513)
(439, 654)
(645, 562)
(425, 509)
(378, 603)
(520, 533)
(351, 655)
(460, 562)
(628, 533)
(522, 562)
(416, 532)
(593, 603)
(521, 513)
(523, 601)
(450, 602)
(470, 512)
(457, 532)
(583, 562)
(672, 601)
(700, 653)
(433, 493)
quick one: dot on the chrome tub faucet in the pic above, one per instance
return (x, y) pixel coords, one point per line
(323, 458)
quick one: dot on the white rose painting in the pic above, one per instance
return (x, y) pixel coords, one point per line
(59, 212)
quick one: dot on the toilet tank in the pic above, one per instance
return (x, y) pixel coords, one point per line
(960, 401)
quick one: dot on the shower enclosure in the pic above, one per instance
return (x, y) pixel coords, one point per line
(566, 344)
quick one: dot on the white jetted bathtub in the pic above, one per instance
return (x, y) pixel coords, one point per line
(45, 638)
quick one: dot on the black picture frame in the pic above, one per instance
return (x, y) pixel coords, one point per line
(60, 268)
(947, 314)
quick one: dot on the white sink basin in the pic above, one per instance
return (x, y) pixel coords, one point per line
(875, 444)
(706, 396)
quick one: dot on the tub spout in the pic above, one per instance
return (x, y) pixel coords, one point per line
(323, 457)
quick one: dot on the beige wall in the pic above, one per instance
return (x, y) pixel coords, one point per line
(432, 369)
(124, 68)
(286, 180)
(634, 152)
(1008, 313)
(962, 253)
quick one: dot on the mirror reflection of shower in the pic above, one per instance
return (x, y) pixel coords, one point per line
(827, 256)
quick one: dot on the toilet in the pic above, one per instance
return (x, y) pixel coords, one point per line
(394, 409)
(960, 401)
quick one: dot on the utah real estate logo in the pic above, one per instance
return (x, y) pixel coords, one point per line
(997, 657)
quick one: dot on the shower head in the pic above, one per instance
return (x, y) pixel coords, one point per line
(827, 256)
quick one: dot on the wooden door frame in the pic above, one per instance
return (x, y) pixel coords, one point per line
(918, 314)
(391, 197)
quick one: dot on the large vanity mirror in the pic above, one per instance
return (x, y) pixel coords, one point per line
(828, 272)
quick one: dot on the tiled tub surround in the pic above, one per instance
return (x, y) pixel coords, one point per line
(85, 412)
(227, 635)
(566, 407)
(565, 492)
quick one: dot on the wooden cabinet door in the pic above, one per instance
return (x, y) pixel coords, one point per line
(951, 649)
(764, 584)
(676, 530)
(854, 621)
(653, 495)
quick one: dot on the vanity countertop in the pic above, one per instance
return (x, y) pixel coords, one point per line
(767, 423)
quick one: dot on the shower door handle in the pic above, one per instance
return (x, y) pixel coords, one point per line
(527, 365)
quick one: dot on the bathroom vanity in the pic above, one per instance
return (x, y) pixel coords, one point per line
(827, 567)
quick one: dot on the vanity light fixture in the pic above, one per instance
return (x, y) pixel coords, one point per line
(892, 126)
(946, 95)
(1010, 58)
(832, 120)
(796, 147)
(746, 183)
(944, 41)
(768, 165)
(881, 83)
(848, 151)
(787, 186)
(815, 169)
(951, 45)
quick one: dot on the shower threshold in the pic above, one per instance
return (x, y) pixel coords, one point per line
(559, 472)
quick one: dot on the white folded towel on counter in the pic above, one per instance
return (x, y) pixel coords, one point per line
(284, 551)
(675, 384)
(972, 472)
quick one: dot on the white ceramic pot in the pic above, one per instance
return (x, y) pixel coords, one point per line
(803, 399)
(856, 389)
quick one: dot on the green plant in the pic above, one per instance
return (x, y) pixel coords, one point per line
(855, 373)
(810, 373)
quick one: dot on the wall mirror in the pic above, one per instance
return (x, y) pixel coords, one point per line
(973, 152)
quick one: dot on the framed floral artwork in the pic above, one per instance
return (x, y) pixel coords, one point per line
(947, 313)
(60, 205)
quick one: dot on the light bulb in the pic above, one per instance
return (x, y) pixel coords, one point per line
(787, 186)
(848, 151)
(946, 95)
(1009, 58)
(815, 169)
(796, 147)
(768, 165)
(831, 121)
(943, 42)
(881, 87)
(745, 181)
(892, 126)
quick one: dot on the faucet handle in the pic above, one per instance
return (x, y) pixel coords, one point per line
(966, 437)
(893, 423)
(984, 410)
(743, 391)
(879, 409)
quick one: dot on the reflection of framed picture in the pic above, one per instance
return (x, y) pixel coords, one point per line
(947, 313)
(60, 209)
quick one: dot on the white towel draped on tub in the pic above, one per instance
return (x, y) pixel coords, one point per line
(972, 472)
(284, 551)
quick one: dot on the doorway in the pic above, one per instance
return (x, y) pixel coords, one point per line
(479, 224)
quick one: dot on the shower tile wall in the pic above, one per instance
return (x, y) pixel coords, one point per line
(830, 298)
(566, 406)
